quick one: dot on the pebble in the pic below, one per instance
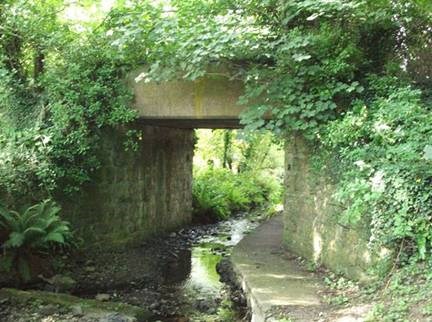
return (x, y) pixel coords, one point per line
(102, 297)
(49, 309)
(77, 310)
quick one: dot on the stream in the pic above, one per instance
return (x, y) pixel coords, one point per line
(200, 286)
(190, 288)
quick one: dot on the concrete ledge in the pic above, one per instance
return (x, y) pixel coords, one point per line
(192, 123)
(270, 280)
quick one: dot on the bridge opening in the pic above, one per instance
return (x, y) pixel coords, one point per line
(235, 171)
(237, 180)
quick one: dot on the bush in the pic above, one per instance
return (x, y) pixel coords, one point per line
(26, 168)
(38, 231)
(383, 148)
(217, 193)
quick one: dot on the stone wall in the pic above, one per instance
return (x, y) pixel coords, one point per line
(136, 194)
(311, 229)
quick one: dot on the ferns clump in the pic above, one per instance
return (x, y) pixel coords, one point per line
(38, 231)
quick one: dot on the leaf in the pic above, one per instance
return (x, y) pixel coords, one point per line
(428, 152)
(15, 240)
(301, 57)
(313, 17)
(55, 237)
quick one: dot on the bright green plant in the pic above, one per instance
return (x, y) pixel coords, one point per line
(218, 193)
(384, 169)
(37, 231)
(252, 178)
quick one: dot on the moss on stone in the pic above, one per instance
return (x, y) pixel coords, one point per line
(68, 301)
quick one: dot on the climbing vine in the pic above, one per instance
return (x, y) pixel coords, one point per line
(383, 148)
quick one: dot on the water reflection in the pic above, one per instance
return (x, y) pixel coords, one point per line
(203, 276)
(192, 275)
(178, 267)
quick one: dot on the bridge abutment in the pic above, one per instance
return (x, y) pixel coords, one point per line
(310, 217)
(136, 194)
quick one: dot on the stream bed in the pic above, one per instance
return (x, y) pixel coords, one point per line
(197, 290)
(174, 275)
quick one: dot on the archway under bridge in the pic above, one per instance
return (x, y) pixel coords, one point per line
(136, 194)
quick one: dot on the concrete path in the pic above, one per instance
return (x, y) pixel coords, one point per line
(272, 282)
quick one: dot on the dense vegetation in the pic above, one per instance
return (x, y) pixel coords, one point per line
(353, 76)
(234, 173)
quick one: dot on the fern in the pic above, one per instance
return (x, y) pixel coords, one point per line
(38, 229)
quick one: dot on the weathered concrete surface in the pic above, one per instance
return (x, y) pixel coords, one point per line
(136, 194)
(209, 102)
(271, 281)
(311, 227)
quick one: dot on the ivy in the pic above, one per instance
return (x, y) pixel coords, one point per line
(58, 92)
(386, 178)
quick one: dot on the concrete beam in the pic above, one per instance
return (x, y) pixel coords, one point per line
(208, 102)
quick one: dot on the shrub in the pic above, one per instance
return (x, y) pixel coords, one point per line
(385, 168)
(217, 193)
(26, 168)
(37, 231)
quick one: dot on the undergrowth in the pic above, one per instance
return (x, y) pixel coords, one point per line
(403, 295)
(217, 193)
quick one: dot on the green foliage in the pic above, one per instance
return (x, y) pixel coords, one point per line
(26, 167)
(86, 92)
(234, 171)
(58, 90)
(405, 295)
(38, 230)
(313, 71)
(185, 40)
(248, 152)
(218, 193)
(385, 174)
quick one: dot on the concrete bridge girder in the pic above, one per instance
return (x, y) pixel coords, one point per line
(209, 102)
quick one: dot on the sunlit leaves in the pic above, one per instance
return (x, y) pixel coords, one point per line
(428, 152)
(385, 177)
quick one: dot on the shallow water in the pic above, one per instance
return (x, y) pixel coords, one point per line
(194, 280)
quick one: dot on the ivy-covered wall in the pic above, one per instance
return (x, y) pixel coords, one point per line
(311, 227)
(136, 194)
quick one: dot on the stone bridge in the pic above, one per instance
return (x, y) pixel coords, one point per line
(136, 194)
